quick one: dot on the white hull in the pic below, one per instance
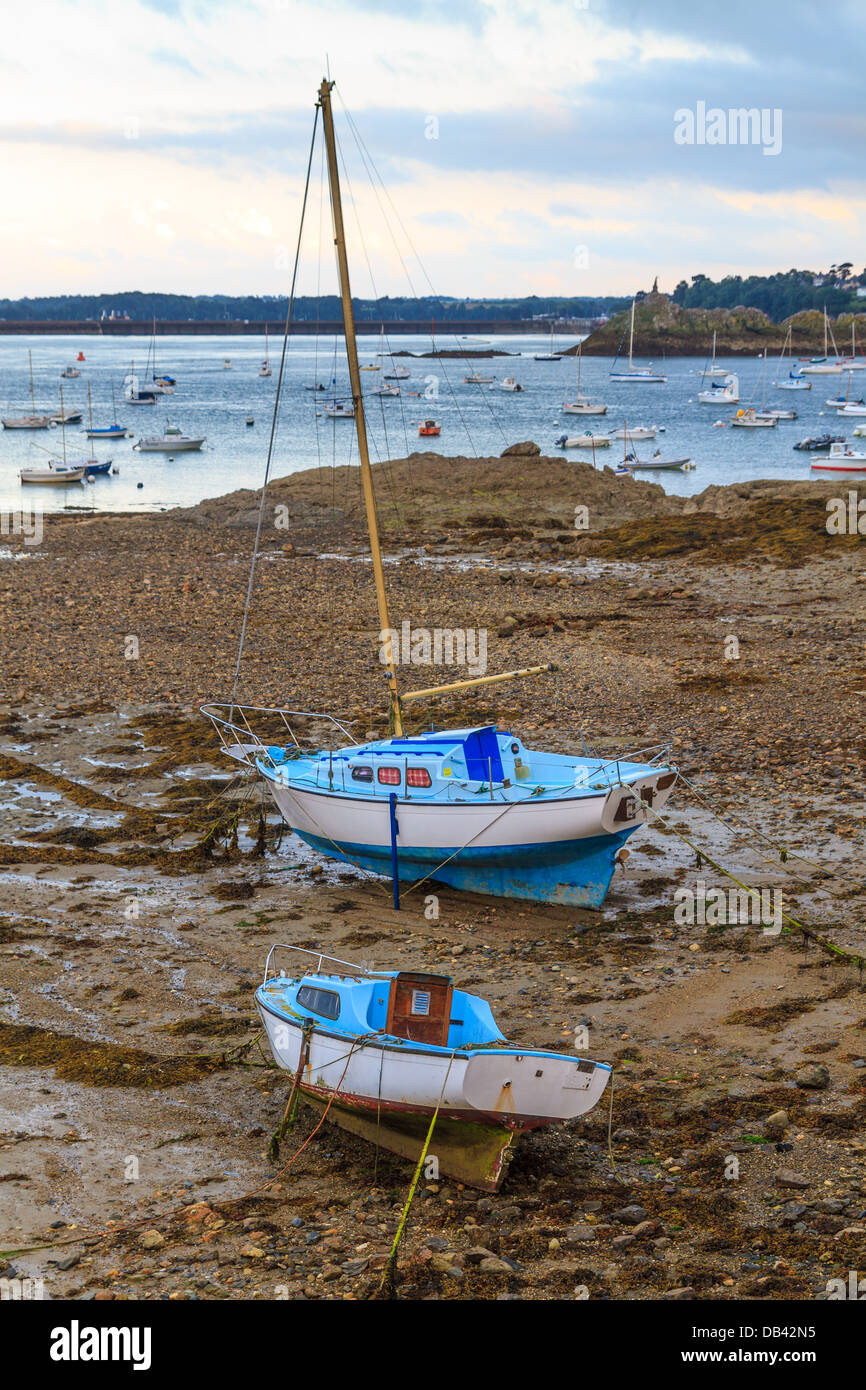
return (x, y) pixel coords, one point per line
(578, 408)
(398, 1078)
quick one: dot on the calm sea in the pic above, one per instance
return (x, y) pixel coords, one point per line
(213, 400)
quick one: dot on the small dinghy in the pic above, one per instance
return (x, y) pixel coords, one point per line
(819, 441)
(386, 1048)
(477, 380)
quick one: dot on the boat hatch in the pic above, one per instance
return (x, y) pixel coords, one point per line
(419, 1008)
(480, 749)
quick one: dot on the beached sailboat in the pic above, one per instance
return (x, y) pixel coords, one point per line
(33, 421)
(386, 1050)
(475, 808)
(582, 405)
(634, 374)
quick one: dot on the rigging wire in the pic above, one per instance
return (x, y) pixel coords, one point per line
(274, 418)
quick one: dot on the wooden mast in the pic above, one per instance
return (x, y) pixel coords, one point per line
(357, 398)
(395, 712)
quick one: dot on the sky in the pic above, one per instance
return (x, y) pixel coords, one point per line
(525, 146)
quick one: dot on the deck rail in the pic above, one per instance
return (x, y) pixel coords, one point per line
(318, 956)
(239, 739)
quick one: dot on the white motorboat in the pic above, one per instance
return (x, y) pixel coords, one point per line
(69, 372)
(634, 374)
(340, 410)
(635, 464)
(636, 432)
(173, 441)
(842, 460)
(508, 383)
(584, 441)
(398, 374)
(853, 410)
(776, 413)
(722, 393)
(385, 390)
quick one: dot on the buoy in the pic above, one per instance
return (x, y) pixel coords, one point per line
(139, 485)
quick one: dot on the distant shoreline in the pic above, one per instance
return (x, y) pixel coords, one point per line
(121, 328)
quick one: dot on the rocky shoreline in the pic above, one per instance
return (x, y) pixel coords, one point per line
(663, 329)
(142, 884)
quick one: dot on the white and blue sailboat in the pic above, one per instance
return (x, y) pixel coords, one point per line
(635, 374)
(474, 808)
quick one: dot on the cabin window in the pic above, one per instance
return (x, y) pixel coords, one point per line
(319, 1001)
(418, 777)
(362, 774)
(420, 1002)
(390, 776)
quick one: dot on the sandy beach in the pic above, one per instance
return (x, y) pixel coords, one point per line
(142, 882)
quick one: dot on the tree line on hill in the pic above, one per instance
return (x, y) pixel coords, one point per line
(778, 296)
(141, 306)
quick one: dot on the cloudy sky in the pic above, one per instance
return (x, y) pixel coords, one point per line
(527, 145)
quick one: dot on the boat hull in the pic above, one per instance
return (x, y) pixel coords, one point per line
(387, 1093)
(560, 852)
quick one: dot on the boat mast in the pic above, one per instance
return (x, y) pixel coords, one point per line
(396, 721)
(32, 397)
(631, 337)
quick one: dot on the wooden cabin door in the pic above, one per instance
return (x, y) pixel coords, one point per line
(420, 1008)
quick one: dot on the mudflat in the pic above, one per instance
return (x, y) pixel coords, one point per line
(142, 880)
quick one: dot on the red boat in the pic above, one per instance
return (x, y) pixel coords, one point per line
(429, 427)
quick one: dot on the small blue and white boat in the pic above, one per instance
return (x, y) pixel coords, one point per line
(474, 808)
(383, 1050)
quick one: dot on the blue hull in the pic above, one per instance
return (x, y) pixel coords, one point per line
(572, 872)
